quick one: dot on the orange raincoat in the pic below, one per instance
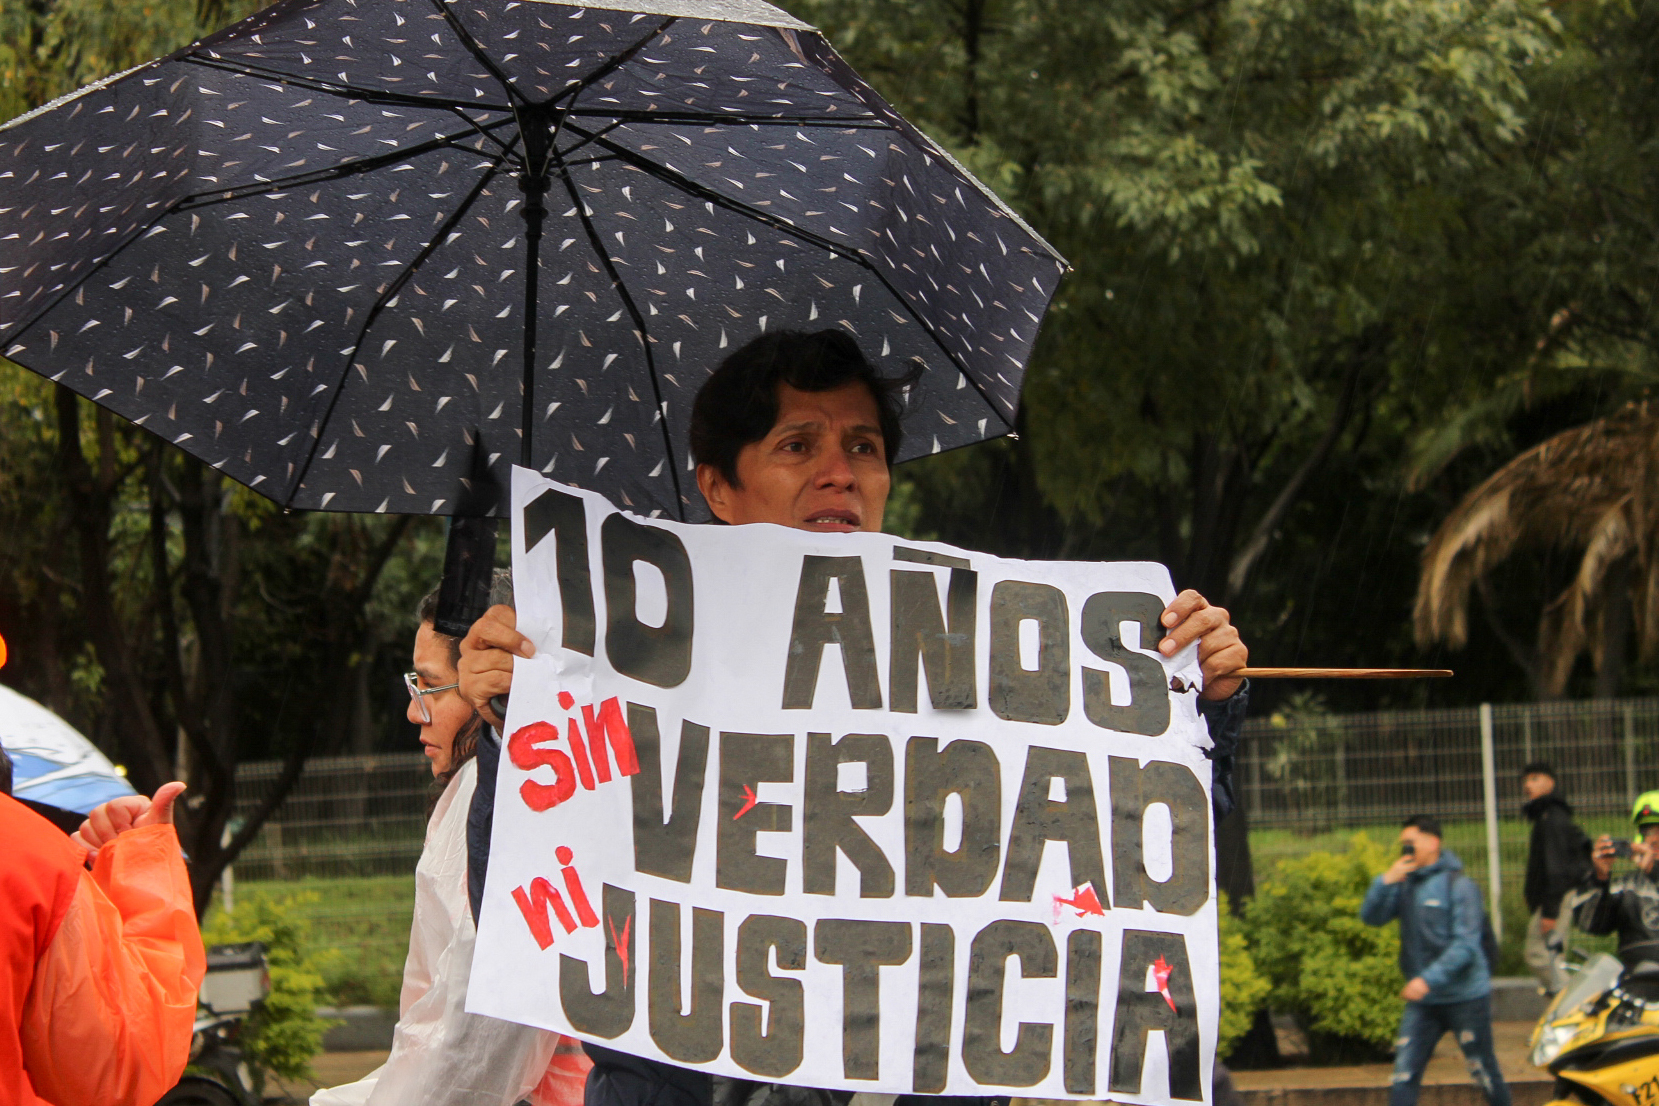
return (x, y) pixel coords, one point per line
(99, 970)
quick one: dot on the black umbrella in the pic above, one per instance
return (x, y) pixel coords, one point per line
(301, 248)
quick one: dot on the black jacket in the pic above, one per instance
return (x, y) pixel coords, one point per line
(1558, 857)
(1629, 906)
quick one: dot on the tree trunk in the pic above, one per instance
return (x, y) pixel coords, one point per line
(1615, 629)
(138, 736)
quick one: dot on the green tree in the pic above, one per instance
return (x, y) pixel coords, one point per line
(285, 1032)
(1579, 202)
(1337, 974)
(1262, 200)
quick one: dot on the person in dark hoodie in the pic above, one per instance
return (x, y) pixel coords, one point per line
(1558, 859)
(1449, 988)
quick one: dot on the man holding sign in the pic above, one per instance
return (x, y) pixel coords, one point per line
(795, 430)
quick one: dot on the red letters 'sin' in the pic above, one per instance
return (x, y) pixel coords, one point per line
(525, 750)
(583, 768)
(534, 908)
(609, 724)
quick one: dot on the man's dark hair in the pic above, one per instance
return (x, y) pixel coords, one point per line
(501, 593)
(1539, 768)
(1424, 823)
(738, 403)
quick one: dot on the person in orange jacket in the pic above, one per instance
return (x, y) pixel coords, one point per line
(100, 955)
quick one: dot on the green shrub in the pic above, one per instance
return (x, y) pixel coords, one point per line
(1339, 976)
(1243, 987)
(286, 1032)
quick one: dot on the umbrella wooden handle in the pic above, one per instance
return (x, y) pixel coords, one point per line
(1342, 673)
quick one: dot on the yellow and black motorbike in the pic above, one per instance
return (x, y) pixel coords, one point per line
(1600, 1037)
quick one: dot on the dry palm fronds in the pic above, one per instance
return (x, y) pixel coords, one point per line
(1593, 488)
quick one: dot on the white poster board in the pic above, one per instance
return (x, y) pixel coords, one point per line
(848, 811)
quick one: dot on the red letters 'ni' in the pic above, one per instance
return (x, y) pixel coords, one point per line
(534, 907)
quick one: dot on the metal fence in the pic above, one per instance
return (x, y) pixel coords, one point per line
(1308, 777)
(346, 840)
(353, 826)
(346, 817)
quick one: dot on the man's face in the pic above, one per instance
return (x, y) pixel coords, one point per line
(1535, 784)
(1427, 845)
(822, 467)
(1650, 836)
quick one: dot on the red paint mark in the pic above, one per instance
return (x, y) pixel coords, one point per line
(583, 768)
(620, 943)
(749, 802)
(1160, 975)
(566, 700)
(1083, 900)
(609, 725)
(534, 907)
(527, 750)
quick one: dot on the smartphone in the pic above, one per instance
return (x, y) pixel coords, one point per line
(1409, 849)
(1621, 848)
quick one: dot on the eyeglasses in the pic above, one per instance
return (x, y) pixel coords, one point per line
(418, 694)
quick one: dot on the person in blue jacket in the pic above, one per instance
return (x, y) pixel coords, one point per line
(1449, 988)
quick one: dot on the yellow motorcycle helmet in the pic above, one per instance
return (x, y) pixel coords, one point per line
(1646, 810)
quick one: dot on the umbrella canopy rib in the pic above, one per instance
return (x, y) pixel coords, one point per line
(730, 119)
(200, 200)
(478, 53)
(373, 314)
(709, 195)
(643, 331)
(610, 66)
(344, 91)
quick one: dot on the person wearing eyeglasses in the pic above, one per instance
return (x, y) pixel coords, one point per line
(441, 1055)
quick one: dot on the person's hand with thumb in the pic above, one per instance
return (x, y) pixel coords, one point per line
(161, 806)
(117, 816)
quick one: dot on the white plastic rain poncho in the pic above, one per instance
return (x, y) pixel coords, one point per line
(442, 1055)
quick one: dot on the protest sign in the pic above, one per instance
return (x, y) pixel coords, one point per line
(849, 811)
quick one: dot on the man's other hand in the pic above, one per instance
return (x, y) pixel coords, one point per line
(1221, 651)
(1546, 924)
(130, 812)
(487, 654)
(1601, 858)
(1415, 990)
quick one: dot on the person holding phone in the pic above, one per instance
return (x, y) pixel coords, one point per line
(1449, 983)
(1628, 905)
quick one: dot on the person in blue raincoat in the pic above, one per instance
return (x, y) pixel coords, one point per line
(1449, 984)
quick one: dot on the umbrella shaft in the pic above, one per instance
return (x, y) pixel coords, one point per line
(534, 211)
(535, 127)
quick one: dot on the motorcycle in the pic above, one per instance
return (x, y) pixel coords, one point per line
(237, 981)
(1599, 1037)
